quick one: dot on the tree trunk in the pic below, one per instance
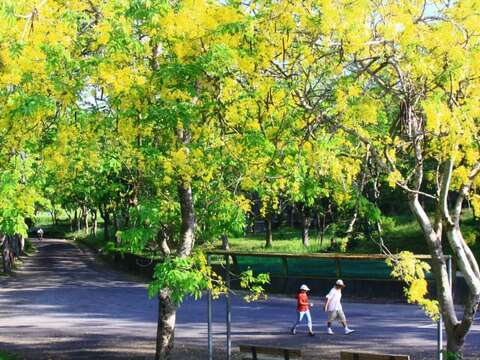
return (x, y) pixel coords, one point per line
(94, 222)
(53, 214)
(333, 243)
(456, 330)
(7, 254)
(268, 232)
(16, 245)
(381, 243)
(162, 239)
(164, 246)
(319, 224)
(454, 345)
(321, 227)
(306, 221)
(253, 223)
(77, 220)
(352, 222)
(167, 309)
(69, 220)
(225, 245)
(187, 235)
(116, 226)
(291, 216)
(465, 259)
(361, 187)
(85, 219)
(127, 216)
(166, 326)
(106, 223)
(469, 267)
(22, 245)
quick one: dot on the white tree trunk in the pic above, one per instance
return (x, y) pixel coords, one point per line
(187, 235)
(167, 308)
(466, 262)
(166, 326)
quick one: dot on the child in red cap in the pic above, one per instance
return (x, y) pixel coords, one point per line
(303, 309)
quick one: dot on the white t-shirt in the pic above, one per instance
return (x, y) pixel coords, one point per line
(334, 297)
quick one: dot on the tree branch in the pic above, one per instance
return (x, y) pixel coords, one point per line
(446, 179)
(464, 192)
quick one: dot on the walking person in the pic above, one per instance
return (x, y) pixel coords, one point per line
(40, 234)
(303, 309)
(334, 309)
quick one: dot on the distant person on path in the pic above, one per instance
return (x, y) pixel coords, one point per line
(303, 309)
(334, 309)
(40, 234)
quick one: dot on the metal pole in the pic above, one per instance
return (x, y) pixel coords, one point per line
(439, 338)
(209, 315)
(440, 321)
(229, 308)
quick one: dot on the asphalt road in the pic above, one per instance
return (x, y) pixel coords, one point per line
(64, 304)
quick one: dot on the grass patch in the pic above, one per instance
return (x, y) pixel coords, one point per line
(405, 234)
(91, 240)
(401, 233)
(5, 355)
(97, 242)
(63, 228)
(287, 240)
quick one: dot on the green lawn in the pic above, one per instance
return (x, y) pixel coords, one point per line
(286, 240)
(400, 233)
(63, 230)
(403, 233)
(8, 356)
(89, 239)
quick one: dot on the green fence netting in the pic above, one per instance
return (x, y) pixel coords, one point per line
(372, 269)
(368, 269)
(272, 265)
(325, 268)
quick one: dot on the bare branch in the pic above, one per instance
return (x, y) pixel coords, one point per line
(446, 179)
(464, 192)
(416, 192)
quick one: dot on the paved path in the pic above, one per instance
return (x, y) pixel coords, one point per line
(64, 304)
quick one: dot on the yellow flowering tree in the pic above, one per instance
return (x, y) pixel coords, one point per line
(160, 69)
(37, 41)
(410, 84)
(186, 107)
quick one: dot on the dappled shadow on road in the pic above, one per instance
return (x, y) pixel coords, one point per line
(62, 264)
(63, 302)
(116, 351)
(62, 280)
(384, 328)
(93, 347)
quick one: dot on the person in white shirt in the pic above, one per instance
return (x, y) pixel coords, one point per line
(40, 234)
(334, 310)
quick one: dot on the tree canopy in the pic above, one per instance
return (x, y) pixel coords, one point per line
(170, 118)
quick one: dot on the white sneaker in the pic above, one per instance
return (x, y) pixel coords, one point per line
(330, 331)
(349, 331)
